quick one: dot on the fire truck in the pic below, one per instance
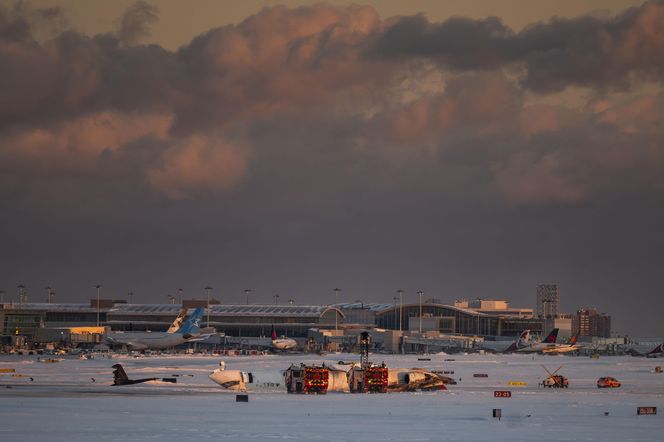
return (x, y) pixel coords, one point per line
(307, 379)
(370, 379)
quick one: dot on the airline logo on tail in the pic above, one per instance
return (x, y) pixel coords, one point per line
(520, 343)
(274, 333)
(572, 341)
(553, 336)
(175, 326)
(523, 338)
(193, 322)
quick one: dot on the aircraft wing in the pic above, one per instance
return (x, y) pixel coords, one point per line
(199, 338)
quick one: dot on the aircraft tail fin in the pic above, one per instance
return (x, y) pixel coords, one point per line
(119, 375)
(519, 343)
(193, 322)
(552, 337)
(274, 333)
(657, 351)
(523, 338)
(175, 326)
(511, 348)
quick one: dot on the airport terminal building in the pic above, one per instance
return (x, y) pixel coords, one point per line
(28, 319)
(437, 317)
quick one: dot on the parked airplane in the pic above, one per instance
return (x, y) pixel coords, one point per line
(564, 348)
(519, 343)
(536, 347)
(282, 343)
(188, 331)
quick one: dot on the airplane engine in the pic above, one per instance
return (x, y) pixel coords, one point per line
(405, 376)
(414, 377)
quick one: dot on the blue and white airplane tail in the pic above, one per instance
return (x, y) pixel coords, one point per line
(192, 324)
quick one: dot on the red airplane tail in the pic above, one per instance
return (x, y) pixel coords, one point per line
(552, 337)
(274, 333)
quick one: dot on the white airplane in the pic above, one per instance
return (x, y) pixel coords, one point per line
(540, 347)
(564, 348)
(282, 343)
(237, 380)
(187, 331)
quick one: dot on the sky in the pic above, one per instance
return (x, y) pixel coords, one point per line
(468, 149)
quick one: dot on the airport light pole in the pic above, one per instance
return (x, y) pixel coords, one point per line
(276, 299)
(246, 296)
(2, 296)
(48, 296)
(171, 298)
(180, 296)
(20, 288)
(208, 289)
(336, 300)
(291, 301)
(396, 312)
(400, 292)
(420, 292)
(131, 297)
(52, 294)
(98, 287)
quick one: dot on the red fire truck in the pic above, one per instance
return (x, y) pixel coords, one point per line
(307, 379)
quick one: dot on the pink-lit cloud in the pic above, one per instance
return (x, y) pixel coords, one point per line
(69, 99)
(199, 165)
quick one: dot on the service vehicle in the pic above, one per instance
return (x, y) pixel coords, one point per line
(608, 382)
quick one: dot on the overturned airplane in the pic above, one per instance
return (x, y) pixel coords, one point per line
(120, 377)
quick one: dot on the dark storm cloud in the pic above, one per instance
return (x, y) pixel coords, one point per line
(587, 51)
(70, 100)
(461, 43)
(19, 22)
(277, 144)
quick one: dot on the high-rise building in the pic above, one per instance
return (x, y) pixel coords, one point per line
(589, 322)
(548, 300)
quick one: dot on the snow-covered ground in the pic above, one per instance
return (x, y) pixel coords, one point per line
(62, 403)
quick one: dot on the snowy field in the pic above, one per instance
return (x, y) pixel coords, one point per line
(63, 403)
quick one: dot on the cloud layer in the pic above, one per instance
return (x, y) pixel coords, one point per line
(332, 63)
(330, 119)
